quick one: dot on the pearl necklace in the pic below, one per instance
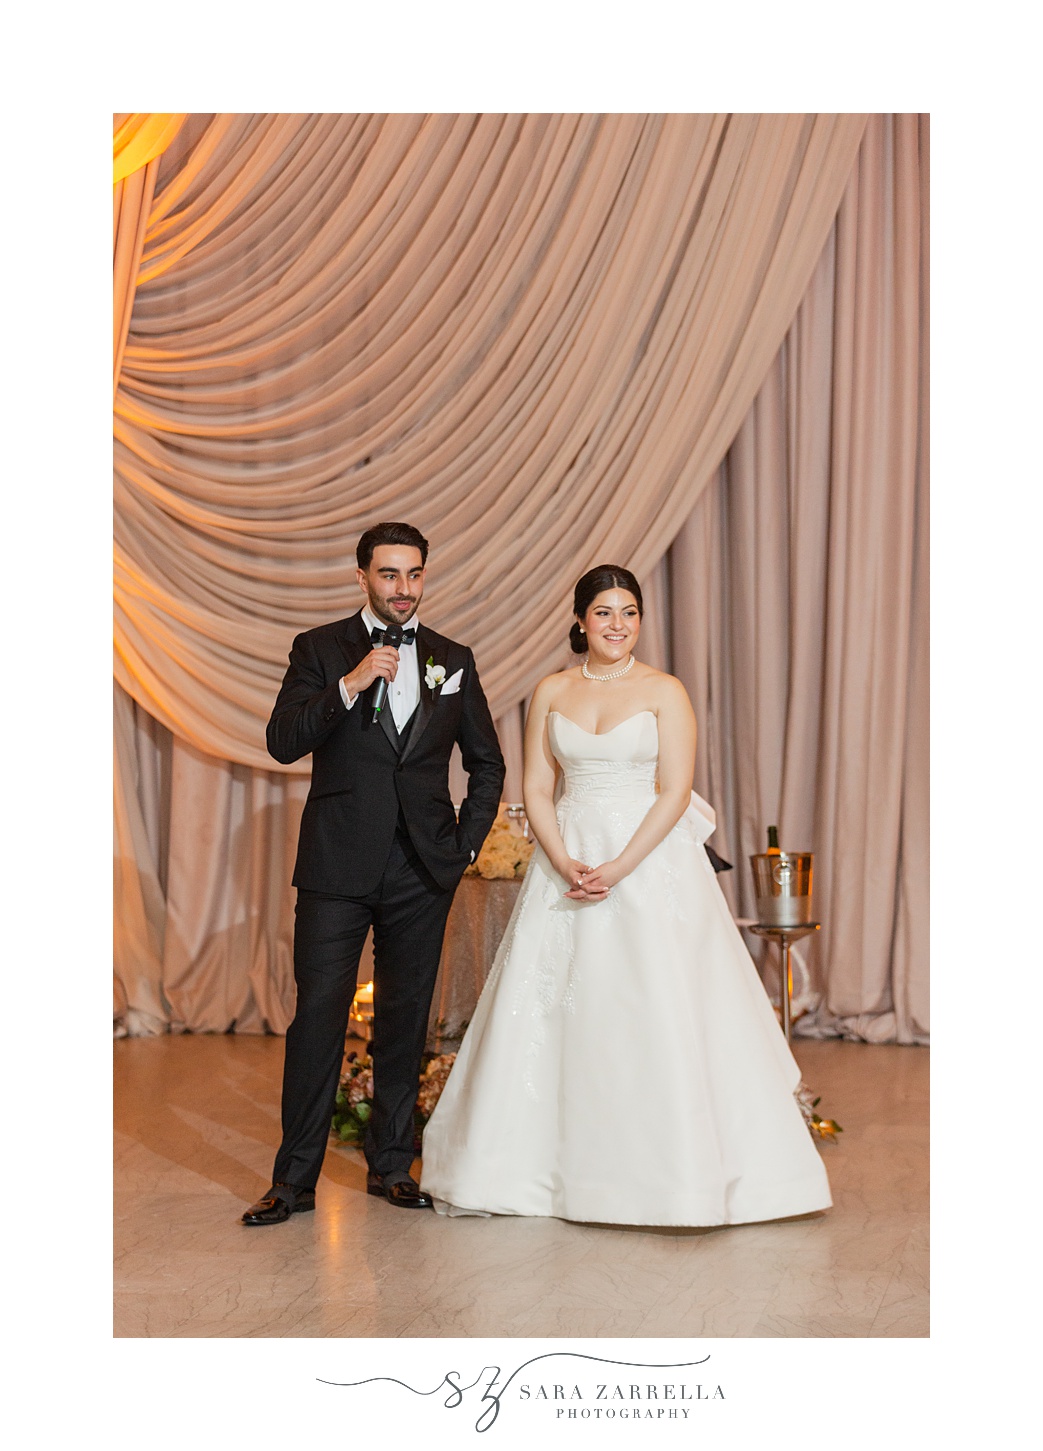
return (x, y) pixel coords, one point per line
(610, 674)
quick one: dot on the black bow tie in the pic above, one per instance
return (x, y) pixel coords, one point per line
(376, 636)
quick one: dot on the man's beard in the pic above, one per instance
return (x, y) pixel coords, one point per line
(383, 611)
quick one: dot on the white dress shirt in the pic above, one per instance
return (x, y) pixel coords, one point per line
(404, 690)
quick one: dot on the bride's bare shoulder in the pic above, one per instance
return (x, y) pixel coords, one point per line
(550, 687)
(666, 689)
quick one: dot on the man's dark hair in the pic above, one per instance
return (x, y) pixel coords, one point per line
(389, 534)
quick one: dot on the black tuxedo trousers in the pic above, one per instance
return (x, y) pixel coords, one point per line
(407, 911)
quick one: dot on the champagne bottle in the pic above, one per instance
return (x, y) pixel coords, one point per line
(773, 841)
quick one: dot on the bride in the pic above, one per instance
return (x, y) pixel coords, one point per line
(623, 1065)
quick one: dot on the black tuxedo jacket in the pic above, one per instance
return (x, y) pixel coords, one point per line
(364, 773)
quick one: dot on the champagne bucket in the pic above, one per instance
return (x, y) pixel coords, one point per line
(782, 882)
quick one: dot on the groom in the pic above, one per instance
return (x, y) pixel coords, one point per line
(380, 846)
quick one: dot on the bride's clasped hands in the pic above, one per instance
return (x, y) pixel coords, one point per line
(581, 878)
(593, 884)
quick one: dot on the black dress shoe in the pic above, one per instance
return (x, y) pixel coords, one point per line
(278, 1204)
(406, 1193)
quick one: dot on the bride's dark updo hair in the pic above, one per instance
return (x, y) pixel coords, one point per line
(589, 586)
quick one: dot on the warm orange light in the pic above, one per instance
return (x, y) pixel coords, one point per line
(141, 137)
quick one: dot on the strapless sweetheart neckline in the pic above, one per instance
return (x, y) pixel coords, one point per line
(611, 728)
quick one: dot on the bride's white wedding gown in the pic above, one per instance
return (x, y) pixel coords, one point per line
(623, 1064)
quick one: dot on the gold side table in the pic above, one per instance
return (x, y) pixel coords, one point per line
(784, 936)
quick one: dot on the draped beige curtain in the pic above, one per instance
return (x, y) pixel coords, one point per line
(798, 615)
(533, 335)
(138, 137)
(131, 200)
(235, 497)
(138, 141)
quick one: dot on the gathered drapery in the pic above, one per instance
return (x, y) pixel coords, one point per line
(131, 200)
(535, 336)
(139, 137)
(803, 640)
(792, 602)
(139, 140)
(204, 905)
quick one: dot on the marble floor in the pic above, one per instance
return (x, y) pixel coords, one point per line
(197, 1124)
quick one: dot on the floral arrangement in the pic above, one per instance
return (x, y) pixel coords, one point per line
(505, 854)
(820, 1128)
(432, 1081)
(354, 1103)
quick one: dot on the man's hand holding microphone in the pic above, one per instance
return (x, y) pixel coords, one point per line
(380, 665)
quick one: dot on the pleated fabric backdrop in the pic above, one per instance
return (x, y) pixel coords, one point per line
(535, 337)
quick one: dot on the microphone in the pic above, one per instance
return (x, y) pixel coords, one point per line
(393, 637)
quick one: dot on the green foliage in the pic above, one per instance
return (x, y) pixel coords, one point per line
(350, 1118)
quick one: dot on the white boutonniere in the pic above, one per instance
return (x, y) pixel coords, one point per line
(434, 674)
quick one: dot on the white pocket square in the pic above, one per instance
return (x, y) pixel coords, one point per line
(452, 685)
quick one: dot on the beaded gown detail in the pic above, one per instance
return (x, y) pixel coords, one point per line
(624, 1064)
